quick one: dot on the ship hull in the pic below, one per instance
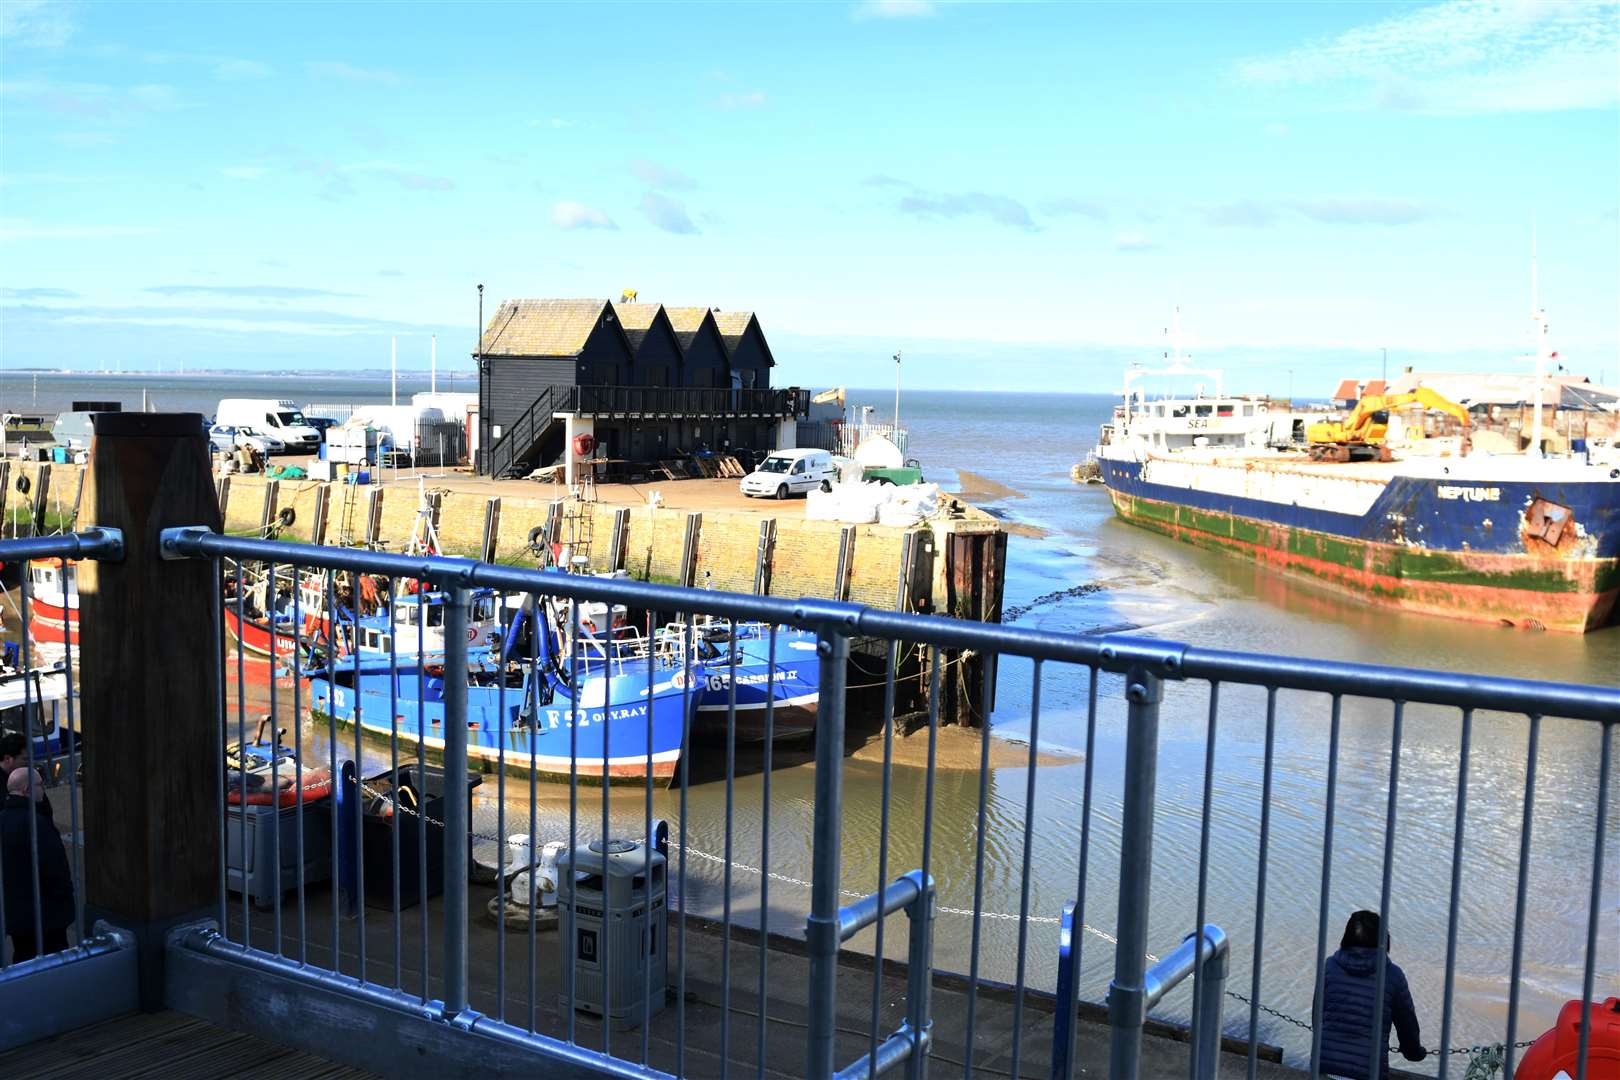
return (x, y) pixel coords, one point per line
(1461, 550)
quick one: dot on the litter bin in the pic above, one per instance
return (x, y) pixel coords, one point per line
(262, 826)
(416, 796)
(616, 892)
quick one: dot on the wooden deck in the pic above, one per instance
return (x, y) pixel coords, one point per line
(170, 1045)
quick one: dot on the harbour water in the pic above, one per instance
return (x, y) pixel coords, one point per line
(1156, 586)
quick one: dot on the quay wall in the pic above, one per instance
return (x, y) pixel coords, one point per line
(803, 560)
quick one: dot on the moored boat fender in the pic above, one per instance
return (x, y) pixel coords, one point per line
(1553, 1055)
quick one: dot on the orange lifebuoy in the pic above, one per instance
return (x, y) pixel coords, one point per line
(584, 443)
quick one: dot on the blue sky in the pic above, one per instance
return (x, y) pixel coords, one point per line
(1015, 194)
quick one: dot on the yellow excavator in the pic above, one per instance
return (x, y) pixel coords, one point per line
(1360, 435)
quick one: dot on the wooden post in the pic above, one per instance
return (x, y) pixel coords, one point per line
(616, 544)
(846, 563)
(765, 557)
(317, 521)
(149, 664)
(224, 495)
(5, 494)
(42, 488)
(689, 548)
(374, 509)
(271, 488)
(78, 500)
(492, 529)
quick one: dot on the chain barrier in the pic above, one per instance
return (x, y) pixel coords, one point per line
(1483, 1056)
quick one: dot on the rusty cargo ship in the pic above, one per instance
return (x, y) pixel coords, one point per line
(1511, 538)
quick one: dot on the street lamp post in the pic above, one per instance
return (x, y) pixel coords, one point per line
(897, 394)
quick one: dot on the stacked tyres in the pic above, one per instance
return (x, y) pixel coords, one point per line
(1554, 1054)
(615, 891)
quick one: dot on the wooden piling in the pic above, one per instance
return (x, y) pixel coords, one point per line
(492, 530)
(764, 557)
(689, 548)
(5, 494)
(616, 542)
(42, 488)
(272, 489)
(374, 511)
(149, 662)
(224, 495)
(845, 568)
(318, 518)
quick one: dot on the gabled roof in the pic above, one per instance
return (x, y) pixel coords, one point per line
(636, 320)
(1347, 391)
(734, 325)
(687, 322)
(541, 327)
(1376, 387)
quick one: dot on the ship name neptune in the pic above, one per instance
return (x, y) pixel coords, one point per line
(1470, 494)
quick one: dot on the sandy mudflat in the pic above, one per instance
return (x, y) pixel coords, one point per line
(957, 748)
(979, 489)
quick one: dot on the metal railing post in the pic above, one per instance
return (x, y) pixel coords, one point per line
(822, 927)
(919, 981)
(1214, 963)
(455, 801)
(1143, 692)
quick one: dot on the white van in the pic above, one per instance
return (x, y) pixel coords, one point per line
(280, 420)
(788, 471)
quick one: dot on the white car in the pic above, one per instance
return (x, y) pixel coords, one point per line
(254, 440)
(787, 472)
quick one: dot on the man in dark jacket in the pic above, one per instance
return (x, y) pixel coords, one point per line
(1349, 984)
(20, 817)
(13, 756)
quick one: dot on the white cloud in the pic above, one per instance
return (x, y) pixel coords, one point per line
(235, 69)
(1276, 130)
(337, 69)
(22, 229)
(1466, 56)
(655, 175)
(40, 24)
(751, 99)
(243, 172)
(574, 215)
(1134, 243)
(667, 214)
(894, 9)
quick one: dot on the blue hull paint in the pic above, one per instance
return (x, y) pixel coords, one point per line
(1411, 511)
(605, 734)
(792, 689)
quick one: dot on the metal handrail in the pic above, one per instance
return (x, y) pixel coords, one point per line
(912, 893)
(1120, 654)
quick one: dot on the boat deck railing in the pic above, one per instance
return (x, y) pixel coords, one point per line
(374, 967)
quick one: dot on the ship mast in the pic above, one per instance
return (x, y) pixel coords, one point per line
(1539, 318)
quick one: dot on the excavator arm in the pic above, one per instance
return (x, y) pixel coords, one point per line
(1368, 423)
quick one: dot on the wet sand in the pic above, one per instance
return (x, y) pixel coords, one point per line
(957, 748)
(978, 490)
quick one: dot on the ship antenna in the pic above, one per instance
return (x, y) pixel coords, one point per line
(1539, 319)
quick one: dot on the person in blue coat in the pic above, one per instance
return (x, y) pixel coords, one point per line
(1349, 984)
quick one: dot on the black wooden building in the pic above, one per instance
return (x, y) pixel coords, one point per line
(648, 382)
(747, 351)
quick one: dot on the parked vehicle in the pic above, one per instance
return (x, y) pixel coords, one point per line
(279, 420)
(227, 438)
(787, 472)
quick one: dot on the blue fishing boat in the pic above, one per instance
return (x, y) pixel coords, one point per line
(619, 717)
(786, 678)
